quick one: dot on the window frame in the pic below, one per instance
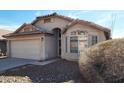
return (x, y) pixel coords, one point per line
(72, 50)
(78, 34)
(94, 39)
(66, 44)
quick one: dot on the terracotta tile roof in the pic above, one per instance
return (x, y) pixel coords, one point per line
(25, 33)
(73, 21)
(86, 23)
(52, 15)
(36, 30)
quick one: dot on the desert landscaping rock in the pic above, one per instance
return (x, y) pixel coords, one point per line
(13, 79)
(61, 71)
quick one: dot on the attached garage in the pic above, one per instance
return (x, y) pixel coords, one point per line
(27, 49)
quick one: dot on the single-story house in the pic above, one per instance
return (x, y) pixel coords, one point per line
(53, 36)
(3, 42)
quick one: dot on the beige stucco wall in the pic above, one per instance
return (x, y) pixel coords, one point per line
(50, 47)
(91, 31)
(60, 23)
(55, 23)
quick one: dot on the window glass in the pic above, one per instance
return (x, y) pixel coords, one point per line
(78, 41)
(94, 40)
(81, 33)
(78, 33)
(73, 33)
(74, 44)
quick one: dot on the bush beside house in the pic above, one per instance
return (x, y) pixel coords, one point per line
(103, 62)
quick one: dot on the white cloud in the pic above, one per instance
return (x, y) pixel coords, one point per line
(105, 20)
(38, 13)
(118, 33)
(51, 11)
(9, 27)
(72, 16)
(77, 14)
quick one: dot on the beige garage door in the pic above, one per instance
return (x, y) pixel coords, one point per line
(28, 49)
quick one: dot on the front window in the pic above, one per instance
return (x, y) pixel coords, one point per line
(74, 44)
(94, 40)
(78, 41)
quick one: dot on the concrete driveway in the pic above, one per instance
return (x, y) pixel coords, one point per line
(8, 63)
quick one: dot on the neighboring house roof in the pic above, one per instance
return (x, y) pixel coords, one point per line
(3, 32)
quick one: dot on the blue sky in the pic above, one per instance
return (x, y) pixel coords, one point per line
(11, 20)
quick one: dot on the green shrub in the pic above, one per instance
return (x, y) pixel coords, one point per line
(103, 62)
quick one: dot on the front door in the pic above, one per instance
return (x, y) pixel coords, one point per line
(57, 33)
(59, 43)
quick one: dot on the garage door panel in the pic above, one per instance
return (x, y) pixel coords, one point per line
(28, 49)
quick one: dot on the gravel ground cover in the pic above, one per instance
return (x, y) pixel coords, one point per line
(62, 71)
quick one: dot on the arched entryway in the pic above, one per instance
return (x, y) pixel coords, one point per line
(57, 33)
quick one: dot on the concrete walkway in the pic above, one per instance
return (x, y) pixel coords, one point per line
(9, 63)
(45, 62)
